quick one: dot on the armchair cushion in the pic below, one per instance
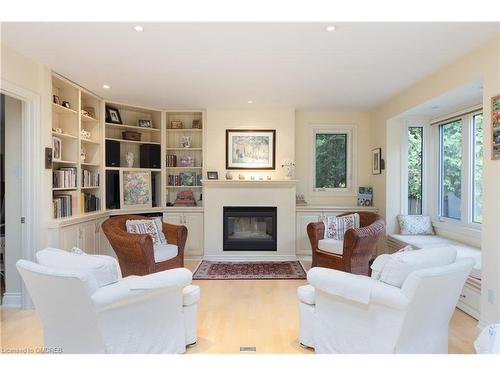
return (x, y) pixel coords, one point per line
(336, 226)
(163, 252)
(397, 267)
(152, 227)
(306, 294)
(104, 269)
(331, 246)
(190, 295)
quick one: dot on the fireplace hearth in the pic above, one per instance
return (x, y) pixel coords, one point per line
(249, 228)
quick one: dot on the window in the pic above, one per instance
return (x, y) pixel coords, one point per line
(460, 177)
(331, 159)
(477, 172)
(415, 169)
(451, 169)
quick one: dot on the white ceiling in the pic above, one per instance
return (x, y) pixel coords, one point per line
(356, 67)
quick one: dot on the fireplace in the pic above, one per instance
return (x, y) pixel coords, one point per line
(249, 228)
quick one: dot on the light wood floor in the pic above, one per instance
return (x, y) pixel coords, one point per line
(232, 314)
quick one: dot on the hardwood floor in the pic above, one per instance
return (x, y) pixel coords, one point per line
(232, 314)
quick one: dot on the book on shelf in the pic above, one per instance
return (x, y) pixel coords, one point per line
(185, 199)
(171, 160)
(64, 177)
(89, 203)
(90, 178)
(62, 205)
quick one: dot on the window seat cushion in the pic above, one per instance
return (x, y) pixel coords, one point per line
(463, 250)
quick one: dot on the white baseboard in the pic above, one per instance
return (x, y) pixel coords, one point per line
(250, 258)
(13, 300)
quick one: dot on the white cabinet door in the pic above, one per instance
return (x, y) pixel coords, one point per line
(88, 237)
(69, 237)
(173, 218)
(303, 246)
(102, 243)
(194, 224)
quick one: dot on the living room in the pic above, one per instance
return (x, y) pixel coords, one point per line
(347, 173)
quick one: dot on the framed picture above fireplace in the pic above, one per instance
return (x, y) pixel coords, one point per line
(250, 149)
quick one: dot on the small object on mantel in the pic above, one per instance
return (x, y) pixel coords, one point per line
(241, 176)
(229, 175)
(269, 178)
(261, 178)
(252, 178)
(300, 200)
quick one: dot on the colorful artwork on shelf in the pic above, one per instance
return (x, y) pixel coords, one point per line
(136, 188)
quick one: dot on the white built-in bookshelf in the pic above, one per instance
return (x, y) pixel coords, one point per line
(77, 169)
(83, 179)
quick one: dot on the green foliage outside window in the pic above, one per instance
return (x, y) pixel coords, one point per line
(331, 163)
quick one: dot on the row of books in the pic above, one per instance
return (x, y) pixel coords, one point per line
(90, 178)
(171, 160)
(185, 199)
(64, 177)
(185, 179)
(89, 202)
(62, 205)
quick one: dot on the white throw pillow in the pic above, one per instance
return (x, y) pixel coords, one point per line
(394, 270)
(153, 227)
(415, 224)
(336, 226)
(380, 261)
(105, 269)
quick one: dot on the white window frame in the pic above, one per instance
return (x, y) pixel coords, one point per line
(351, 187)
(418, 123)
(466, 219)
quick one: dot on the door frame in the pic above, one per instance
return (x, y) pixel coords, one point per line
(31, 173)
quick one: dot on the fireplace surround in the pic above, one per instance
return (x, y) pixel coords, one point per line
(248, 228)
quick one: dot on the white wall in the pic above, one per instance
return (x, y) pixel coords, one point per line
(305, 122)
(482, 63)
(220, 119)
(13, 130)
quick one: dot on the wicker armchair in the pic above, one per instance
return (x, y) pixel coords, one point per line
(135, 251)
(358, 246)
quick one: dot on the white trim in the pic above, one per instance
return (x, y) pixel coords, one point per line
(13, 300)
(451, 116)
(350, 130)
(250, 257)
(32, 151)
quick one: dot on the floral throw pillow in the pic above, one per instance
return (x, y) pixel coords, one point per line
(152, 227)
(335, 227)
(415, 224)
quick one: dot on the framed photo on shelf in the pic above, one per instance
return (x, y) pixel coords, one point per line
(113, 115)
(250, 149)
(376, 161)
(135, 189)
(212, 175)
(144, 123)
(495, 128)
(56, 149)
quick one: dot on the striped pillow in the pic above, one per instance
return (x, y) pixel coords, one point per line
(335, 227)
(152, 227)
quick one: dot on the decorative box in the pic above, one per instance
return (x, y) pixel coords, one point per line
(186, 161)
(176, 125)
(131, 136)
(196, 124)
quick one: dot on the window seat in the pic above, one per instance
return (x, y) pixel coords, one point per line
(470, 298)
(398, 241)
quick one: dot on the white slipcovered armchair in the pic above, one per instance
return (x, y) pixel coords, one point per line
(346, 313)
(87, 307)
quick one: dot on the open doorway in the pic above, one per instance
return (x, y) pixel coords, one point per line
(11, 198)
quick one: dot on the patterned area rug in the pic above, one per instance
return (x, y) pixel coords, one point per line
(249, 271)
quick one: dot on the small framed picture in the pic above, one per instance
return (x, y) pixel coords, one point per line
(56, 100)
(113, 116)
(376, 161)
(212, 175)
(144, 123)
(56, 149)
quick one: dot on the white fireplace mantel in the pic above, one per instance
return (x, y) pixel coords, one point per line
(249, 183)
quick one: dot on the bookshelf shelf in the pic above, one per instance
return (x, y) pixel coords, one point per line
(85, 140)
(128, 141)
(64, 162)
(184, 130)
(86, 118)
(137, 128)
(62, 110)
(184, 149)
(183, 187)
(64, 135)
(64, 189)
(90, 187)
(183, 168)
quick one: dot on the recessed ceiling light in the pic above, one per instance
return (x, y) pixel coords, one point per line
(106, 87)
(435, 107)
(330, 28)
(250, 102)
(138, 28)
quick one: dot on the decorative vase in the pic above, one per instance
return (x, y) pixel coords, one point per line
(229, 176)
(129, 157)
